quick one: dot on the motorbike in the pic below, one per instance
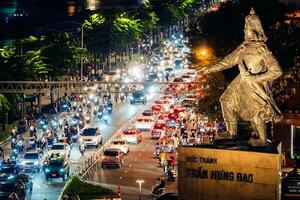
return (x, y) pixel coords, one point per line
(54, 125)
(171, 175)
(105, 119)
(20, 144)
(81, 124)
(88, 119)
(74, 106)
(32, 143)
(43, 123)
(100, 114)
(75, 122)
(155, 193)
(82, 148)
(109, 108)
(60, 123)
(13, 143)
(157, 152)
(14, 155)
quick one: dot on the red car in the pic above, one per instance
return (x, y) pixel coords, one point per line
(173, 116)
(156, 108)
(157, 130)
(178, 110)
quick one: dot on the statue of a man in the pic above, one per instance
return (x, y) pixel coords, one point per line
(248, 96)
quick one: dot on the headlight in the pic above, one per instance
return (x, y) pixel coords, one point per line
(61, 170)
(141, 98)
(10, 177)
(62, 153)
(47, 170)
(23, 163)
(131, 98)
(36, 163)
(80, 140)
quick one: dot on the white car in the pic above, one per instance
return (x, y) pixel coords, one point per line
(120, 144)
(60, 148)
(32, 160)
(90, 136)
(170, 98)
(144, 123)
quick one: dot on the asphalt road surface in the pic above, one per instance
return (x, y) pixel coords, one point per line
(139, 164)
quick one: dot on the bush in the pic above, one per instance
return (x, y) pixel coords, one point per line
(86, 190)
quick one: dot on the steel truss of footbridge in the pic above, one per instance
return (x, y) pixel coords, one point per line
(29, 87)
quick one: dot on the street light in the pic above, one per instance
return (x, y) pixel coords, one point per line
(81, 45)
(140, 188)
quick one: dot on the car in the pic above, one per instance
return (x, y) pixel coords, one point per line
(61, 148)
(8, 184)
(57, 167)
(138, 96)
(158, 128)
(90, 136)
(120, 144)
(112, 157)
(173, 116)
(132, 135)
(189, 103)
(32, 160)
(178, 64)
(179, 110)
(164, 103)
(144, 123)
(157, 108)
(10, 169)
(170, 98)
(171, 123)
(148, 113)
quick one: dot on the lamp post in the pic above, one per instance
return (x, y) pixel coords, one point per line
(140, 188)
(81, 45)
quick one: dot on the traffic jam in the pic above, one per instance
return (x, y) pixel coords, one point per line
(170, 121)
(45, 145)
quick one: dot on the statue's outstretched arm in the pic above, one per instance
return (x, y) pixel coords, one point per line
(227, 62)
(274, 70)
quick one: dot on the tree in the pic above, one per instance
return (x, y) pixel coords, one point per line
(125, 30)
(62, 54)
(28, 65)
(5, 107)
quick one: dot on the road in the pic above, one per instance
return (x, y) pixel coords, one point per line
(50, 190)
(140, 163)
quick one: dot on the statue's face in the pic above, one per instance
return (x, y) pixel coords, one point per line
(248, 32)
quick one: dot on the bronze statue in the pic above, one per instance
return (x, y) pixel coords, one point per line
(248, 96)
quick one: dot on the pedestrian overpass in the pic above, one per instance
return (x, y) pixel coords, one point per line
(62, 87)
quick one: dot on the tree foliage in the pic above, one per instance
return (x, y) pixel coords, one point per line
(25, 65)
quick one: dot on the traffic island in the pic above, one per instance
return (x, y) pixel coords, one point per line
(84, 190)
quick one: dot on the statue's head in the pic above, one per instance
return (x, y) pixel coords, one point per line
(253, 29)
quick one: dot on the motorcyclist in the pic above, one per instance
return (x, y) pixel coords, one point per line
(20, 189)
(159, 185)
(13, 196)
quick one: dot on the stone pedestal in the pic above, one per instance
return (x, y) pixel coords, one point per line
(221, 174)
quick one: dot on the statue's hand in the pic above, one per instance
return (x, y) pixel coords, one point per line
(249, 77)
